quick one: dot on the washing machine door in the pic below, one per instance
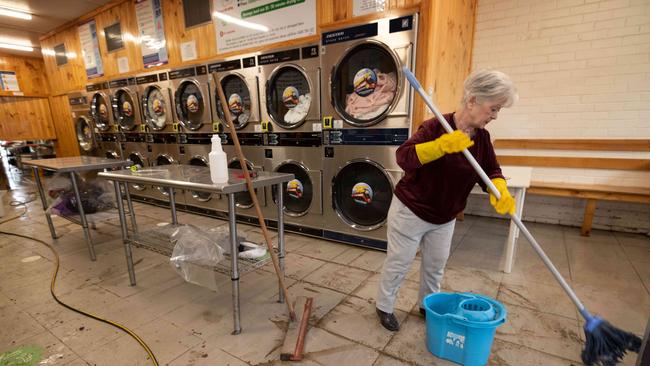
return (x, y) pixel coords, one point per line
(242, 199)
(288, 96)
(364, 83)
(362, 192)
(200, 196)
(99, 111)
(85, 134)
(190, 105)
(124, 109)
(138, 161)
(164, 159)
(154, 104)
(298, 193)
(238, 95)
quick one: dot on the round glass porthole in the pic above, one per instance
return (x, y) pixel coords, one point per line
(288, 96)
(364, 84)
(124, 109)
(155, 108)
(239, 101)
(190, 105)
(200, 196)
(362, 192)
(164, 160)
(100, 112)
(137, 160)
(84, 134)
(242, 199)
(298, 192)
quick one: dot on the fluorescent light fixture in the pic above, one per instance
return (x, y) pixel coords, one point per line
(242, 23)
(16, 47)
(15, 13)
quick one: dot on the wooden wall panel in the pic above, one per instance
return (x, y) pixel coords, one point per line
(176, 34)
(125, 14)
(66, 144)
(30, 72)
(25, 119)
(444, 53)
(71, 76)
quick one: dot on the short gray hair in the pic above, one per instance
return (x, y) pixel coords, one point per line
(489, 85)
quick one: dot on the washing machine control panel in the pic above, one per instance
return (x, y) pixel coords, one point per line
(302, 139)
(366, 136)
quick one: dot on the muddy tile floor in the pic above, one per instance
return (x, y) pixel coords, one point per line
(185, 324)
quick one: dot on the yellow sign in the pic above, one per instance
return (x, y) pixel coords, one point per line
(175, 127)
(327, 122)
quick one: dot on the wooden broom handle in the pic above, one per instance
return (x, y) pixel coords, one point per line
(251, 191)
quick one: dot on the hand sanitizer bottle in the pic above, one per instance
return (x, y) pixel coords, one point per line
(218, 162)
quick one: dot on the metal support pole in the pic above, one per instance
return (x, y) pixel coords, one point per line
(82, 216)
(125, 239)
(41, 192)
(172, 205)
(134, 225)
(234, 265)
(280, 195)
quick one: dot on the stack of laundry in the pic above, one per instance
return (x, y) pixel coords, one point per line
(374, 104)
(299, 112)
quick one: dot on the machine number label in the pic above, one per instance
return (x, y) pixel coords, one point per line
(338, 123)
(317, 127)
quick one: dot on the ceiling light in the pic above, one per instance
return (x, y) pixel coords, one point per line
(16, 47)
(242, 23)
(15, 13)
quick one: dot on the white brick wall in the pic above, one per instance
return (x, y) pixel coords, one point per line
(582, 68)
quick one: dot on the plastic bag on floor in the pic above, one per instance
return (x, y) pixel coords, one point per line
(96, 194)
(245, 248)
(195, 253)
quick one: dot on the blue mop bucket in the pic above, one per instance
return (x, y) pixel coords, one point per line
(461, 326)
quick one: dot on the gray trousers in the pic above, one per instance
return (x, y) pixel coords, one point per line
(407, 233)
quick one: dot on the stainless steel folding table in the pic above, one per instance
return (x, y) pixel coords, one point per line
(197, 178)
(72, 165)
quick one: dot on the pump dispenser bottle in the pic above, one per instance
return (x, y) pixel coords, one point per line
(218, 162)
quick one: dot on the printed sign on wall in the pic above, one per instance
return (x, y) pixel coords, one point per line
(246, 24)
(90, 49)
(8, 81)
(363, 7)
(152, 32)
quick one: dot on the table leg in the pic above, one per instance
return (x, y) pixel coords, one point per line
(280, 196)
(41, 192)
(234, 265)
(125, 238)
(172, 205)
(82, 216)
(513, 232)
(520, 197)
(129, 203)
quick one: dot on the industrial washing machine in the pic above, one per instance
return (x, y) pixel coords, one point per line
(126, 106)
(291, 90)
(360, 173)
(156, 102)
(83, 124)
(300, 154)
(252, 145)
(239, 78)
(363, 65)
(195, 152)
(98, 96)
(108, 146)
(191, 96)
(164, 151)
(135, 149)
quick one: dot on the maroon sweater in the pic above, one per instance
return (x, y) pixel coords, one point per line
(437, 191)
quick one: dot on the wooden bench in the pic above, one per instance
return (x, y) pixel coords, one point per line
(591, 192)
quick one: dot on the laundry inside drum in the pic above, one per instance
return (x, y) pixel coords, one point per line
(239, 101)
(124, 109)
(155, 108)
(288, 97)
(190, 105)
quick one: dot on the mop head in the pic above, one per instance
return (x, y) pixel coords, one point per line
(606, 345)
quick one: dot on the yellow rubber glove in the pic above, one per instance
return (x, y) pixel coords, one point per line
(448, 143)
(506, 204)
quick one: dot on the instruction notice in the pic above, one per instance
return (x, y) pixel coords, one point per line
(152, 32)
(241, 24)
(90, 49)
(9, 81)
(363, 7)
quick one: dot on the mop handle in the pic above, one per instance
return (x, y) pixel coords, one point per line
(427, 100)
